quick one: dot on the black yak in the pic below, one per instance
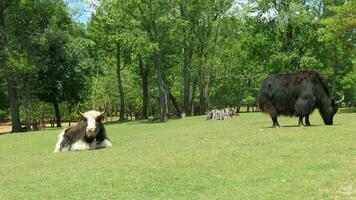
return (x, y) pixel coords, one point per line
(297, 94)
(89, 133)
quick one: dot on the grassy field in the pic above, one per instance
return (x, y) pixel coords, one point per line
(189, 159)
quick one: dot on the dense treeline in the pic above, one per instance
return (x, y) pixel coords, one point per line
(162, 58)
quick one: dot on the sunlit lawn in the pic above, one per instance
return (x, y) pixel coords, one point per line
(189, 159)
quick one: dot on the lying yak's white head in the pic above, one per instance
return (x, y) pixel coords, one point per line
(94, 119)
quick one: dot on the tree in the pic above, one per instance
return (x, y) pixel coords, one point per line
(63, 67)
(338, 33)
(7, 8)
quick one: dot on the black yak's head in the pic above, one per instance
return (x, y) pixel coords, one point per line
(329, 110)
(94, 120)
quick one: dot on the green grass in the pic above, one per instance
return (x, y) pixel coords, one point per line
(189, 159)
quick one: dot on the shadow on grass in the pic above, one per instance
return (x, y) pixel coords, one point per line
(291, 126)
(152, 121)
(16, 133)
(294, 126)
(140, 121)
(118, 122)
(35, 131)
(79, 151)
(4, 133)
(98, 149)
(347, 110)
(130, 122)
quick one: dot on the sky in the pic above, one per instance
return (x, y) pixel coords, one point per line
(82, 10)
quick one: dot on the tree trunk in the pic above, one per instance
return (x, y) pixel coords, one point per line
(155, 35)
(204, 82)
(335, 71)
(204, 92)
(121, 89)
(163, 96)
(70, 111)
(26, 106)
(42, 117)
(205, 87)
(14, 105)
(188, 53)
(201, 82)
(144, 77)
(95, 88)
(11, 85)
(175, 104)
(202, 101)
(193, 90)
(187, 56)
(58, 114)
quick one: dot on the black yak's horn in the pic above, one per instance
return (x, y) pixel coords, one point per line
(342, 98)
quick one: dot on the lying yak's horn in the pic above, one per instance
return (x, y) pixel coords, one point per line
(342, 98)
(104, 108)
(77, 109)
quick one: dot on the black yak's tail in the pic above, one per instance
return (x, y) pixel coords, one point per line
(264, 100)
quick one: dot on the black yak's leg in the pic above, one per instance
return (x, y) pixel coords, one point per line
(307, 122)
(275, 122)
(300, 123)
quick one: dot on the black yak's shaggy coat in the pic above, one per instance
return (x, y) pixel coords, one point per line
(296, 94)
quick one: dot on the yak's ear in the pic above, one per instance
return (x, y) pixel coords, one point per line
(333, 103)
(82, 118)
(101, 119)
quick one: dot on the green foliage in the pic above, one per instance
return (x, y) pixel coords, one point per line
(4, 103)
(341, 25)
(195, 55)
(3, 97)
(46, 54)
(231, 53)
(227, 93)
(64, 69)
(349, 87)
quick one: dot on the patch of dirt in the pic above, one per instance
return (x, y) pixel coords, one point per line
(6, 128)
(346, 192)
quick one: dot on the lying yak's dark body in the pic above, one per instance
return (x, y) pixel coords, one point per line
(78, 133)
(297, 94)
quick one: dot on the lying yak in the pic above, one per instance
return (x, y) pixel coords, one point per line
(297, 94)
(89, 133)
